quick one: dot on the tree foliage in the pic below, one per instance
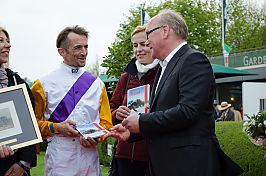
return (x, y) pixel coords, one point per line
(246, 26)
(121, 50)
(203, 17)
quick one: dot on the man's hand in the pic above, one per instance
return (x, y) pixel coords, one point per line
(15, 170)
(119, 132)
(67, 128)
(6, 151)
(122, 112)
(89, 142)
(132, 123)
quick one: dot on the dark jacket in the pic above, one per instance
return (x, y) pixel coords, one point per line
(228, 116)
(180, 128)
(26, 153)
(136, 150)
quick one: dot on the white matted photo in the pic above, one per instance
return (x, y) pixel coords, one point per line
(93, 130)
(9, 122)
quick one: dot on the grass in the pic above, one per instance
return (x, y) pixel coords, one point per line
(39, 169)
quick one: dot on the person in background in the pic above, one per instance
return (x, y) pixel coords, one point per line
(217, 112)
(18, 162)
(180, 128)
(132, 158)
(238, 116)
(226, 113)
(241, 111)
(68, 97)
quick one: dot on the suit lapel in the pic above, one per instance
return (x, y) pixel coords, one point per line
(170, 66)
(155, 83)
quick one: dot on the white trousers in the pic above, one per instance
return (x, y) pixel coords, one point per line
(66, 157)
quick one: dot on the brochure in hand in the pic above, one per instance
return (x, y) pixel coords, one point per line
(138, 99)
(92, 130)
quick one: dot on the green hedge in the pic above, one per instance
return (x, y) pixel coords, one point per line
(237, 145)
(102, 150)
(233, 141)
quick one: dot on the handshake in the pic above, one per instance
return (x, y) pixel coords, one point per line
(130, 124)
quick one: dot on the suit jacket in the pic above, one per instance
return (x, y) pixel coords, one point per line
(26, 153)
(180, 128)
(228, 115)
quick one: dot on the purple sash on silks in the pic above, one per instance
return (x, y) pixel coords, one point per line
(71, 99)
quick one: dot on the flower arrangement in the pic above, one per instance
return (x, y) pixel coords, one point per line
(255, 127)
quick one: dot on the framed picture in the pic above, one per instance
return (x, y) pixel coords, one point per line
(18, 125)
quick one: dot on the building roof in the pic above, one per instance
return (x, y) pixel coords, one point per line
(107, 79)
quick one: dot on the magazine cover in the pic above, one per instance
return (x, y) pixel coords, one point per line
(92, 130)
(138, 99)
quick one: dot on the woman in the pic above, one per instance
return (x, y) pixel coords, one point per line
(132, 158)
(19, 162)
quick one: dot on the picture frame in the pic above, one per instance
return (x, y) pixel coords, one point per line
(18, 124)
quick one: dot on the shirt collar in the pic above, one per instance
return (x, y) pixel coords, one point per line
(169, 57)
(72, 70)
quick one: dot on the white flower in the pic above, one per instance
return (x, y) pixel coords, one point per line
(256, 126)
(246, 123)
(252, 122)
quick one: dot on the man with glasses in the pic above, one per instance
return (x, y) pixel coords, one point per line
(180, 126)
(152, 30)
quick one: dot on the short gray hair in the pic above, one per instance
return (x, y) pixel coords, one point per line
(175, 21)
(62, 40)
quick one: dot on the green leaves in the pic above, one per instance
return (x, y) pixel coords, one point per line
(256, 125)
(246, 29)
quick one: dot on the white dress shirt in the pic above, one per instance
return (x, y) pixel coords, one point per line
(164, 63)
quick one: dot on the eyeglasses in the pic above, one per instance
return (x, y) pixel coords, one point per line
(152, 30)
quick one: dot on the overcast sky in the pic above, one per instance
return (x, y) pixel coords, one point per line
(33, 26)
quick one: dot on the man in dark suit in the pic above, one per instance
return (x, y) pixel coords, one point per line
(180, 128)
(227, 114)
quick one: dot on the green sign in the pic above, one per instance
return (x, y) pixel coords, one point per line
(243, 59)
